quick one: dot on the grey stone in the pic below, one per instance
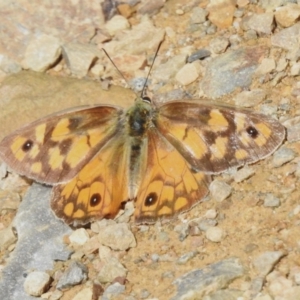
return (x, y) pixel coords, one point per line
(75, 274)
(231, 70)
(183, 259)
(287, 38)
(113, 290)
(197, 283)
(261, 23)
(265, 262)
(40, 242)
(282, 156)
(199, 54)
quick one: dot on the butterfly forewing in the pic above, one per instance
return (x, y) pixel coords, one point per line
(215, 138)
(55, 148)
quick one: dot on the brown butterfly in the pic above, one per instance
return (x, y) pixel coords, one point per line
(158, 155)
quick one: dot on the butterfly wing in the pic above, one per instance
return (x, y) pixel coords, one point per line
(169, 185)
(215, 138)
(99, 189)
(53, 149)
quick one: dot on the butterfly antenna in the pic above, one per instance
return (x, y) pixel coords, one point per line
(146, 81)
(115, 66)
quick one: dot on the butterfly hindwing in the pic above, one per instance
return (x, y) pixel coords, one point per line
(99, 189)
(55, 148)
(169, 185)
(215, 138)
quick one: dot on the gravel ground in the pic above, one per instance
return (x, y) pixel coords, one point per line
(243, 241)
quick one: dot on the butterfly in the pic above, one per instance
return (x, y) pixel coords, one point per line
(160, 156)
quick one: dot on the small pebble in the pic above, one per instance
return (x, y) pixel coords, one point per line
(262, 23)
(75, 274)
(111, 269)
(219, 45)
(179, 12)
(257, 284)
(281, 64)
(7, 237)
(117, 237)
(182, 230)
(271, 201)
(280, 284)
(288, 14)
(84, 294)
(116, 24)
(250, 35)
(41, 53)
(250, 98)
(282, 156)
(155, 257)
(211, 214)
(243, 174)
(295, 69)
(79, 236)
(220, 190)
(198, 15)
(269, 109)
(265, 262)
(36, 283)
(113, 291)
(187, 74)
(79, 57)
(297, 278)
(207, 223)
(144, 294)
(266, 66)
(214, 234)
(182, 260)
(199, 54)
(296, 210)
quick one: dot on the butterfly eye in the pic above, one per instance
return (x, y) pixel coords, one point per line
(151, 199)
(252, 131)
(95, 199)
(27, 145)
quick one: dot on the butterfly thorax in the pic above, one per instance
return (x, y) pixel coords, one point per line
(138, 118)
